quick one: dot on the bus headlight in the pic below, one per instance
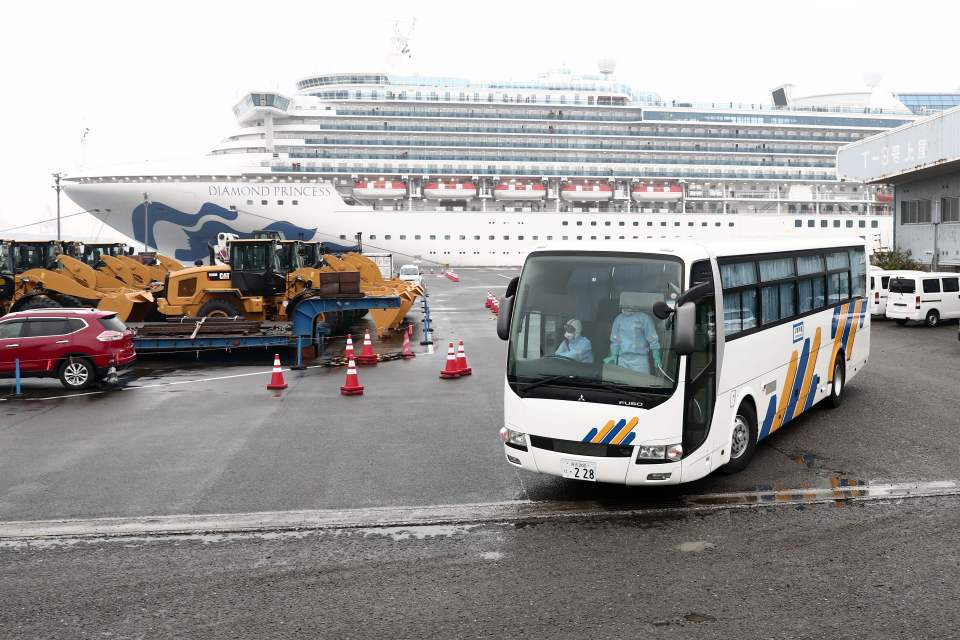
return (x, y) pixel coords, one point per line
(659, 452)
(514, 439)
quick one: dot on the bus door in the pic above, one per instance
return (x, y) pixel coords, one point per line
(700, 391)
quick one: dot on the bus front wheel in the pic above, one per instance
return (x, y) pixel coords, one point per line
(743, 439)
(836, 386)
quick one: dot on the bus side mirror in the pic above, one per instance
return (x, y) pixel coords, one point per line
(684, 325)
(506, 310)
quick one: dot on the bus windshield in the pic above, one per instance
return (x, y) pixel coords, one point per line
(585, 321)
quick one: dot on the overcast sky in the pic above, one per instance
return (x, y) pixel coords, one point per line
(157, 80)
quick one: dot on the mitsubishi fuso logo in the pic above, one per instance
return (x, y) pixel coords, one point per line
(580, 399)
(630, 403)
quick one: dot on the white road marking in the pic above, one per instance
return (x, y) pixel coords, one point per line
(68, 531)
(505, 277)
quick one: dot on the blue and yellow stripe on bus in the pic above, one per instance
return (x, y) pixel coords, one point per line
(613, 432)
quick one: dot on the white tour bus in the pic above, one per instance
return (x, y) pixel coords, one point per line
(618, 371)
(879, 290)
(923, 297)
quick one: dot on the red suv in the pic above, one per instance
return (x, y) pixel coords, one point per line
(79, 346)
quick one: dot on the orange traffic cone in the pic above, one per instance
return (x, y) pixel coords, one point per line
(348, 350)
(450, 370)
(352, 386)
(462, 368)
(367, 356)
(489, 302)
(496, 307)
(407, 353)
(276, 380)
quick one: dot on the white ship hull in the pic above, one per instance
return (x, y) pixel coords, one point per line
(184, 216)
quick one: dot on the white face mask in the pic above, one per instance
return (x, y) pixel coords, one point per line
(569, 336)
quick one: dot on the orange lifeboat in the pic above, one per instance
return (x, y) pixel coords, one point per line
(650, 192)
(884, 197)
(449, 190)
(519, 191)
(380, 189)
(586, 192)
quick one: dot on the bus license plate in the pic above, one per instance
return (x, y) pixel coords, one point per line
(578, 470)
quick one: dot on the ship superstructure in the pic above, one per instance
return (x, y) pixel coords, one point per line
(478, 173)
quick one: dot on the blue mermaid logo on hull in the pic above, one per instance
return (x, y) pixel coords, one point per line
(198, 238)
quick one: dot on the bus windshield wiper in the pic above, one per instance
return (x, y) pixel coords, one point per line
(619, 388)
(544, 381)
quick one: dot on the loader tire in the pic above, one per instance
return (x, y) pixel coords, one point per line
(65, 300)
(39, 302)
(219, 308)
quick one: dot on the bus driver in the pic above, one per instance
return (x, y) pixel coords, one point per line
(575, 345)
(633, 336)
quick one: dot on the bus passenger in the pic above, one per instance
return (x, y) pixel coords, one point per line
(575, 346)
(633, 337)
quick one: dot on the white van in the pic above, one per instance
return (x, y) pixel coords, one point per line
(879, 289)
(411, 273)
(924, 297)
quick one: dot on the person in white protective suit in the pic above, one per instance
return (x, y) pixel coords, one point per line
(575, 345)
(633, 337)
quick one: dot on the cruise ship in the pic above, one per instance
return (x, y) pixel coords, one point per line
(468, 173)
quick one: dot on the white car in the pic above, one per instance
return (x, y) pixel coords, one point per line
(879, 290)
(411, 273)
(924, 297)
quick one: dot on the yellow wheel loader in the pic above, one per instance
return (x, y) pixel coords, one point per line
(265, 279)
(38, 275)
(140, 271)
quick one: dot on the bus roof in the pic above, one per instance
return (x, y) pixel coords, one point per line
(691, 250)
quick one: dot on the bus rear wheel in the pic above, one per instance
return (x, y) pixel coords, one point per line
(836, 386)
(743, 439)
(933, 318)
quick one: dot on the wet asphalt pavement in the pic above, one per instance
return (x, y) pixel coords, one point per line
(205, 436)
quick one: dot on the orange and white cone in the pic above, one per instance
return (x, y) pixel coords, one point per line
(352, 386)
(407, 352)
(276, 380)
(489, 302)
(450, 370)
(496, 307)
(367, 356)
(462, 368)
(348, 350)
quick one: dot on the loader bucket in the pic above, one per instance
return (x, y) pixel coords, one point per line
(130, 306)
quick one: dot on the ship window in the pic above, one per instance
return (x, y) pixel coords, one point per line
(663, 224)
(463, 237)
(579, 223)
(606, 237)
(849, 224)
(403, 237)
(873, 224)
(387, 237)
(862, 223)
(549, 237)
(343, 237)
(622, 223)
(279, 201)
(593, 237)
(730, 224)
(593, 223)
(676, 224)
(607, 223)
(565, 237)
(811, 223)
(416, 237)
(446, 237)
(798, 223)
(519, 237)
(836, 223)
(233, 207)
(823, 224)
(263, 202)
(249, 201)
(491, 237)
(579, 237)
(564, 223)
(294, 202)
(373, 237)
(432, 237)
(534, 237)
(506, 237)
(476, 237)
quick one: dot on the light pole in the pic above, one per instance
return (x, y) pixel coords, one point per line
(146, 218)
(58, 189)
